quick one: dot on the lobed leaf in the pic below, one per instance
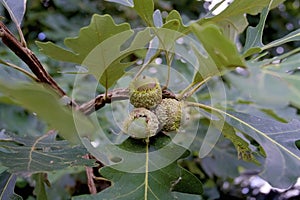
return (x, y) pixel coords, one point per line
(160, 184)
(99, 48)
(101, 28)
(174, 15)
(241, 145)
(39, 154)
(221, 158)
(166, 34)
(270, 81)
(148, 184)
(105, 61)
(254, 35)
(233, 19)
(278, 141)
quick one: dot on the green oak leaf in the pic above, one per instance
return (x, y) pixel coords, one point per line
(257, 46)
(145, 9)
(254, 35)
(101, 28)
(206, 66)
(39, 154)
(271, 80)
(40, 181)
(158, 185)
(234, 17)
(179, 26)
(223, 162)
(242, 146)
(105, 61)
(166, 37)
(100, 48)
(220, 155)
(148, 184)
(278, 142)
(223, 52)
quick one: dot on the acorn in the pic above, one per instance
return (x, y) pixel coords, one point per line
(145, 92)
(141, 124)
(169, 114)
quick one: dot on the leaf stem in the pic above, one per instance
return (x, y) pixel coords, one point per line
(283, 56)
(32, 76)
(146, 169)
(168, 58)
(169, 63)
(185, 90)
(192, 88)
(145, 65)
(22, 38)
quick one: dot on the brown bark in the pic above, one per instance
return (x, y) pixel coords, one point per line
(29, 58)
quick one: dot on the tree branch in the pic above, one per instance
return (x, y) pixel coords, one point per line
(100, 100)
(118, 94)
(29, 58)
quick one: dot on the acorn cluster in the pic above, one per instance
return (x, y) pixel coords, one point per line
(152, 113)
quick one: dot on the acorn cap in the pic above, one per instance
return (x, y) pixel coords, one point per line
(169, 114)
(145, 92)
(141, 123)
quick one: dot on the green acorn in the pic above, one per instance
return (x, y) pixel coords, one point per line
(169, 114)
(145, 92)
(141, 123)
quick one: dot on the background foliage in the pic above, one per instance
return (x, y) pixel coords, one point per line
(275, 102)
